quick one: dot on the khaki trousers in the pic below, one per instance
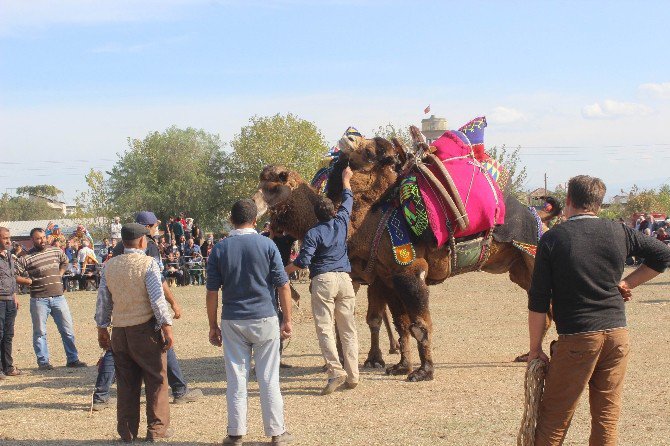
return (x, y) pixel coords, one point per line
(334, 301)
(138, 356)
(596, 359)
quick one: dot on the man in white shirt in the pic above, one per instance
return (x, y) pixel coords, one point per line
(84, 252)
(115, 229)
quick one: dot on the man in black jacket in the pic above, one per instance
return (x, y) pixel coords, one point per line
(578, 271)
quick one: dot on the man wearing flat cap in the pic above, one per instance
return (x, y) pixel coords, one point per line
(131, 299)
(181, 392)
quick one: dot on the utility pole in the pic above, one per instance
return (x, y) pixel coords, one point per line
(545, 185)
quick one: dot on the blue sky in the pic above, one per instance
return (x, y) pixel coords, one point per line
(582, 87)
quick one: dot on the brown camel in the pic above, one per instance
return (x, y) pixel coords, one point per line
(290, 201)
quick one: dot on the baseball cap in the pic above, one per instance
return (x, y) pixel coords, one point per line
(146, 218)
(133, 231)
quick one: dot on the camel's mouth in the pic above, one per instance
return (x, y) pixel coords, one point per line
(261, 204)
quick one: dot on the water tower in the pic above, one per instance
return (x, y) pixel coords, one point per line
(433, 127)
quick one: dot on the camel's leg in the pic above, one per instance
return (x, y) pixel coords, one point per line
(412, 287)
(402, 323)
(376, 307)
(394, 345)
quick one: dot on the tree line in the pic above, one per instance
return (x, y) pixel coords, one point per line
(193, 171)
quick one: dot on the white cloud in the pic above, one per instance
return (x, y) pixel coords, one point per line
(505, 115)
(18, 15)
(656, 90)
(609, 109)
(21, 15)
(115, 48)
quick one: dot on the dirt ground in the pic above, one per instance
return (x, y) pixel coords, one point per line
(475, 399)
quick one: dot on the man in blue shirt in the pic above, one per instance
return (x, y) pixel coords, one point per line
(324, 251)
(247, 267)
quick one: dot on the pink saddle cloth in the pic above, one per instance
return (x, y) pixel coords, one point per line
(480, 194)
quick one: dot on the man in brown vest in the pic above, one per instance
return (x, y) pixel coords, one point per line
(131, 298)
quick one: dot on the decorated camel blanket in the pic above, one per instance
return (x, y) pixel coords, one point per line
(480, 193)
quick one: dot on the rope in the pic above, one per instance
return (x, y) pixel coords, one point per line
(375, 242)
(461, 219)
(534, 384)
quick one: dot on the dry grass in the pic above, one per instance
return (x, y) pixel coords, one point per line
(475, 398)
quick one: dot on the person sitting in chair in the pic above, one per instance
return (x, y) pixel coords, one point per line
(72, 277)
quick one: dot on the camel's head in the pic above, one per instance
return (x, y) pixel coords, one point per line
(373, 158)
(363, 154)
(274, 187)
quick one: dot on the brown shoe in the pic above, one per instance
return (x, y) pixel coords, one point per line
(282, 439)
(169, 433)
(333, 383)
(13, 371)
(232, 440)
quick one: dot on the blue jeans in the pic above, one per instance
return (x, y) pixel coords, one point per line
(106, 375)
(40, 309)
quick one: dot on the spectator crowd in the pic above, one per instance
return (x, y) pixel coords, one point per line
(182, 245)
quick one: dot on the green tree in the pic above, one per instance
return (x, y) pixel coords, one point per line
(41, 190)
(279, 139)
(176, 170)
(95, 203)
(613, 212)
(515, 171)
(390, 131)
(649, 200)
(21, 209)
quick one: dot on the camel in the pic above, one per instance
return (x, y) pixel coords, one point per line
(290, 201)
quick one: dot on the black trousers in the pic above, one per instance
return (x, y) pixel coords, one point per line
(7, 318)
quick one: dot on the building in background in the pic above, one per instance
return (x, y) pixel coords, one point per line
(51, 202)
(433, 127)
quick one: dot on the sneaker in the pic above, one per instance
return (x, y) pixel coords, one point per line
(13, 371)
(284, 438)
(76, 364)
(190, 396)
(333, 383)
(351, 385)
(232, 440)
(2, 376)
(169, 433)
(102, 405)
(46, 366)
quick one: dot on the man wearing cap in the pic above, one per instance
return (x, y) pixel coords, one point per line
(180, 390)
(131, 298)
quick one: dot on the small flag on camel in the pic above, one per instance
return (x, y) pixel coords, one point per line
(426, 110)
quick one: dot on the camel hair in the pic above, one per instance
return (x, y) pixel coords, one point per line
(290, 202)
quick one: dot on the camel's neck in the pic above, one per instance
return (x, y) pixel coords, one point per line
(296, 216)
(368, 189)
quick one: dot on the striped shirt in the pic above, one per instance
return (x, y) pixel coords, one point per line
(104, 304)
(44, 269)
